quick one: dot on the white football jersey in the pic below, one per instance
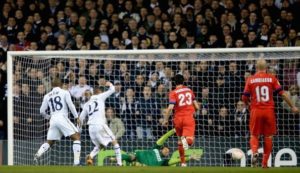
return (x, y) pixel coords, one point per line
(95, 108)
(59, 102)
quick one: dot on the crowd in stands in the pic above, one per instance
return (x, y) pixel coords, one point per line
(141, 86)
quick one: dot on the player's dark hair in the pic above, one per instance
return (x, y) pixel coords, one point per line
(178, 79)
(56, 82)
(99, 89)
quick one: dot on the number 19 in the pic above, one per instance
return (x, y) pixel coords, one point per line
(262, 94)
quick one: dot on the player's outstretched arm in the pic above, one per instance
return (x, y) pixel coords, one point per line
(125, 157)
(163, 139)
(286, 98)
(187, 158)
(109, 92)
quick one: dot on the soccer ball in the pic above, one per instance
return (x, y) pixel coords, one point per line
(237, 154)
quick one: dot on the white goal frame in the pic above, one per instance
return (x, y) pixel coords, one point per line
(94, 54)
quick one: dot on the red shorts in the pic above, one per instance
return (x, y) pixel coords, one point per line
(184, 125)
(262, 122)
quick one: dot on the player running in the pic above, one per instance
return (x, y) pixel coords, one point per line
(182, 100)
(58, 101)
(260, 88)
(99, 132)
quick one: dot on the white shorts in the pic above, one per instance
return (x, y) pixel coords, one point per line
(101, 134)
(60, 126)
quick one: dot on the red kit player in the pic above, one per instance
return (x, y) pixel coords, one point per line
(182, 100)
(260, 88)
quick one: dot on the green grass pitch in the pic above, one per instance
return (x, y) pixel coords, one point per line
(95, 169)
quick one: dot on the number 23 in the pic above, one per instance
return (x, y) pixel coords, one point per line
(185, 99)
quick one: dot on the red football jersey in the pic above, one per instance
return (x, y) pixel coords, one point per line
(260, 87)
(182, 98)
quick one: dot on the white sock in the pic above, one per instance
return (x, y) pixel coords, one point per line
(118, 154)
(94, 152)
(184, 143)
(43, 149)
(76, 150)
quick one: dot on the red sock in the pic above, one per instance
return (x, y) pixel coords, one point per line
(268, 144)
(254, 144)
(181, 153)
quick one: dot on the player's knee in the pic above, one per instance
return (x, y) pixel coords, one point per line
(114, 142)
(190, 140)
(75, 136)
(179, 142)
(50, 142)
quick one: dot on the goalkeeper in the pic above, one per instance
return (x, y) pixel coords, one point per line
(157, 156)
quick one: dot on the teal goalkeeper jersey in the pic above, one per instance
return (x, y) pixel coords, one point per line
(151, 157)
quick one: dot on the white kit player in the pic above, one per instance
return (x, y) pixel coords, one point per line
(58, 102)
(100, 133)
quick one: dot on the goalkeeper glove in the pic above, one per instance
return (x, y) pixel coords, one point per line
(195, 157)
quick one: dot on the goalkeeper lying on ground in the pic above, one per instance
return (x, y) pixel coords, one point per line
(157, 156)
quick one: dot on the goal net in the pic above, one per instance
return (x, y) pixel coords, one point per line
(143, 80)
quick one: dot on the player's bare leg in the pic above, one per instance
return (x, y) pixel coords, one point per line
(76, 147)
(117, 152)
(181, 152)
(254, 143)
(45, 147)
(268, 143)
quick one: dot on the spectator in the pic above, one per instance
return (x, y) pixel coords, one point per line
(129, 113)
(115, 124)
(253, 23)
(62, 30)
(103, 33)
(134, 44)
(189, 43)
(244, 30)
(263, 37)
(292, 39)
(161, 96)
(4, 46)
(251, 40)
(148, 109)
(172, 42)
(293, 94)
(223, 122)
(240, 120)
(108, 71)
(139, 85)
(220, 90)
(153, 81)
(235, 83)
(205, 121)
(3, 105)
(82, 70)
(78, 90)
(78, 42)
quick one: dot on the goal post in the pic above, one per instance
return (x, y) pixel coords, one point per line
(222, 88)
